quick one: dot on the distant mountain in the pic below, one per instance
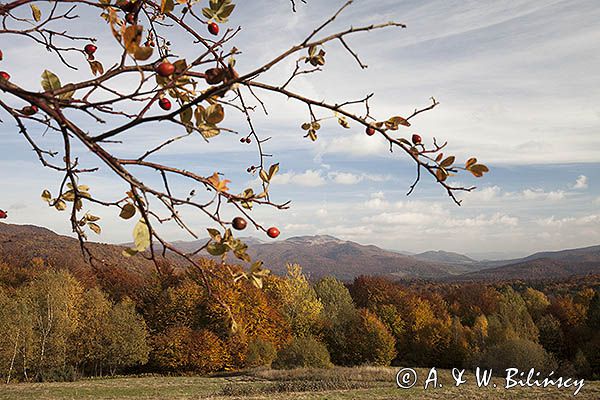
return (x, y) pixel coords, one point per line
(446, 257)
(542, 265)
(584, 254)
(324, 255)
(319, 256)
(538, 269)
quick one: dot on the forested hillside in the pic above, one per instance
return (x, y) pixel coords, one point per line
(59, 328)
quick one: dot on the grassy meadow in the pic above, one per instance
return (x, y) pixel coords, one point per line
(332, 384)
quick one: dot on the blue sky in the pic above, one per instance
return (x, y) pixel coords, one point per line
(518, 87)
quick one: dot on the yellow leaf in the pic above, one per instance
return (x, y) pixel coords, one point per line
(35, 11)
(219, 185)
(141, 236)
(95, 227)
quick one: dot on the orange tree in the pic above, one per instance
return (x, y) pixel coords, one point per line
(194, 93)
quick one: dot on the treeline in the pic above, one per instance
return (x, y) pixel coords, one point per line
(57, 327)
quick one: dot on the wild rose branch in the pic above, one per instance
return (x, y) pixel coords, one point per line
(193, 94)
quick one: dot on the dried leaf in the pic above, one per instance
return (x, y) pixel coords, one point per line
(128, 211)
(447, 162)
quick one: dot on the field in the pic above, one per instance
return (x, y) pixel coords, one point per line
(338, 383)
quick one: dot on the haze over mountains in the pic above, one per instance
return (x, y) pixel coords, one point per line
(319, 256)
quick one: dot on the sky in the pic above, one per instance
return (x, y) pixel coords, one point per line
(518, 88)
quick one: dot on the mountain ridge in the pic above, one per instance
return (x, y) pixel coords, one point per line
(319, 255)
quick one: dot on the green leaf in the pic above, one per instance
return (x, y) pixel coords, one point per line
(128, 211)
(50, 81)
(35, 11)
(207, 12)
(214, 234)
(141, 236)
(217, 249)
(219, 10)
(129, 252)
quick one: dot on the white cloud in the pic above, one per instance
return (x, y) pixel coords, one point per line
(377, 201)
(540, 194)
(552, 221)
(309, 178)
(345, 178)
(357, 144)
(581, 182)
(348, 178)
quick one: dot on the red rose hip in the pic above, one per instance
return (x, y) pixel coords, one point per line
(4, 75)
(165, 69)
(3, 214)
(273, 232)
(90, 49)
(213, 28)
(165, 104)
(416, 139)
(370, 131)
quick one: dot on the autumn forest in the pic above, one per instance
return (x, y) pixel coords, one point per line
(57, 326)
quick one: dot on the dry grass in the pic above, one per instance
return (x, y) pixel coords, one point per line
(332, 384)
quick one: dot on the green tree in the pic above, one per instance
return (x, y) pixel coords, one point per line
(512, 320)
(127, 335)
(89, 344)
(54, 302)
(303, 352)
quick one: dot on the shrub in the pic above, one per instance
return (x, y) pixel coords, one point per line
(303, 352)
(260, 353)
(518, 353)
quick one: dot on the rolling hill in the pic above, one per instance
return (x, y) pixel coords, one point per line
(20, 244)
(319, 256)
